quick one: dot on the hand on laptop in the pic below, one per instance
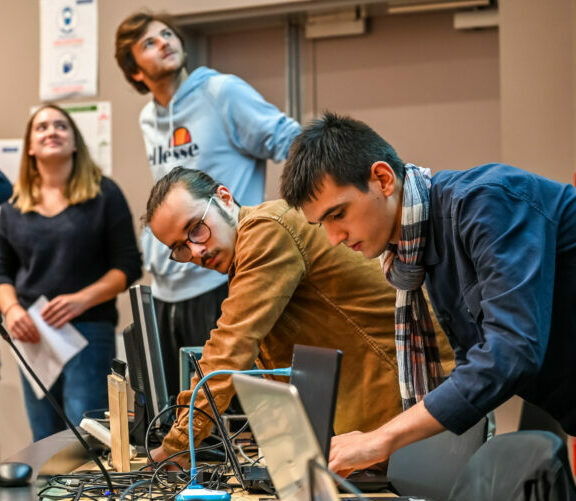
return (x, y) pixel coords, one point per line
(356, 451)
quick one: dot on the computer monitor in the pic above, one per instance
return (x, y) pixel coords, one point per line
(316, 374)
(145, 363)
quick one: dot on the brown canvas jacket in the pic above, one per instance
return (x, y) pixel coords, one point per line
(289, 286)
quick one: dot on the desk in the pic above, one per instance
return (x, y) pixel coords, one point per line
(50, 456)
(62, 453)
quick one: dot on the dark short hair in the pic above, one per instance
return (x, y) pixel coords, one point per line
(128, 33)
(198, 183)
(339, 146)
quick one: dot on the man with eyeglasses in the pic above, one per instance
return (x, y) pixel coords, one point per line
(202, 120)
(287, 286)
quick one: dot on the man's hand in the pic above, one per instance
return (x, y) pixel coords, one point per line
(357, 451)
(64, 308)
(159, 454)
(21, 326)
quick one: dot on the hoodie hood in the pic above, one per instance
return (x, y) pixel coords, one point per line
(192, 83)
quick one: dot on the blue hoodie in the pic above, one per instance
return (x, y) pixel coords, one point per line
(218, 124)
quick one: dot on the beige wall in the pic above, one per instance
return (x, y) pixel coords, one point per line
(538, 64)
(258, 57)
(431, 91)
(445, 99)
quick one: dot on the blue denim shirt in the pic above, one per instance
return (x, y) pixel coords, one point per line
(501, 274)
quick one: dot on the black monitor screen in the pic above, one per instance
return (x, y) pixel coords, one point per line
(316, 373)
(144, 356)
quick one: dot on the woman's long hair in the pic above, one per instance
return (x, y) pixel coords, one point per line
(83, 183)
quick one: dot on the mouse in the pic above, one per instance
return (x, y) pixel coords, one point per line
(14, 474)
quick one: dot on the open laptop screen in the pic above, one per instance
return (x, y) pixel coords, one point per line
(284, 434)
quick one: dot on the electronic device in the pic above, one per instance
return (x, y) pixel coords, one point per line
(316, 374)
(145, 363)
(285, 436)
(199, 493)
(185, 364)
(101, 433)
(14, 474)
(238, 431)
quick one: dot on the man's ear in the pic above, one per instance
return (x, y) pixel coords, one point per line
(224, 194)
(383, 174)
(138, 76)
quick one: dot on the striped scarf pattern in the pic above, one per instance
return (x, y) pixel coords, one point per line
(419, 368)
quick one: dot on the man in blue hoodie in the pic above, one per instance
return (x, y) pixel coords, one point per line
(204, 120)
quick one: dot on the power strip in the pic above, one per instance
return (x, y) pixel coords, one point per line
(101, 433)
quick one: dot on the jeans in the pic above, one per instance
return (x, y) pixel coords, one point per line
(82, 385)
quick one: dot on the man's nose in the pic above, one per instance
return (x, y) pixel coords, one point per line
(162, 42)
(335, 235)
(198, 250)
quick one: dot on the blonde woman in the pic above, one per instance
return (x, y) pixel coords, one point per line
(66, 234)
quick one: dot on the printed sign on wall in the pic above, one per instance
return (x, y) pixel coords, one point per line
(94, 121)
(10, 154)
(68, 48)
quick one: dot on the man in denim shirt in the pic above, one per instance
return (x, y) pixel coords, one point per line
(497, 247)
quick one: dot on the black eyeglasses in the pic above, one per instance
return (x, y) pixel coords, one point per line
(199, 234)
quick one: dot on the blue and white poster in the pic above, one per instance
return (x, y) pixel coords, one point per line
(68, 48)
(10, 155)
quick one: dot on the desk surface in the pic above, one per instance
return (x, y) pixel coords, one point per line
(61, 453)
(53, 455)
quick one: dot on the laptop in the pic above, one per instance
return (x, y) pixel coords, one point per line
(316, 374)
(288, 442)
(285, 436)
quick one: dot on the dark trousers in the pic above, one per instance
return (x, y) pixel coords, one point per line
(186, 323)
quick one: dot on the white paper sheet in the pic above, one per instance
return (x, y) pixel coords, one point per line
(55, 349)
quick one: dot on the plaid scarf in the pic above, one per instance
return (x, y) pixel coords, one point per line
(419, 368)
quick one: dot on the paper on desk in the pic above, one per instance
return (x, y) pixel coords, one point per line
(55, 349)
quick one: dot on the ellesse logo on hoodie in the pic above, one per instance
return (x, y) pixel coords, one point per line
(182, 148)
